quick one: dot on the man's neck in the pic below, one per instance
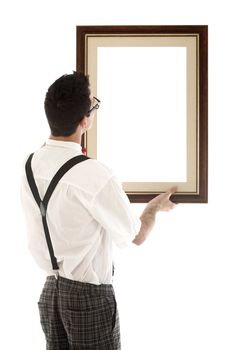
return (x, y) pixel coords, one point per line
(76, 137)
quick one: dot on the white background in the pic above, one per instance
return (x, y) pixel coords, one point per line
(174, 292)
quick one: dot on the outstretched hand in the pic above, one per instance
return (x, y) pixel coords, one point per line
(162, 201)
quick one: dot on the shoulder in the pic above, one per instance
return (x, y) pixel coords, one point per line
(99, 167)
(98, 174)
(100, 180)
(90, 176)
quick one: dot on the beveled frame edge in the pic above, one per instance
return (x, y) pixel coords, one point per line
(202, 31)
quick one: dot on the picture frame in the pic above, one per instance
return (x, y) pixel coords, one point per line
(152, 124)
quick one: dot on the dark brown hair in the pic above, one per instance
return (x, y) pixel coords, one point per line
(67, 101)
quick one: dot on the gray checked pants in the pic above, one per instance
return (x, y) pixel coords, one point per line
(76, 315)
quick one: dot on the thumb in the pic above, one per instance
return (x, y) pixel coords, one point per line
(172, 190)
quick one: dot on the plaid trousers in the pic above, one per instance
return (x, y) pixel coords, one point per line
(76, 315)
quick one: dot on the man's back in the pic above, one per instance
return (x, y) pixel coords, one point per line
(86, 213)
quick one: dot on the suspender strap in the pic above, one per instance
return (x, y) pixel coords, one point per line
(65, 167)
(31, 180)
(43, 204)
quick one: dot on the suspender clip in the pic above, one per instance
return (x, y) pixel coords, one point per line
(56, 274)
(42, 209)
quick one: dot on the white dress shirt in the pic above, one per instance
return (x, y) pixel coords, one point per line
(87, 212)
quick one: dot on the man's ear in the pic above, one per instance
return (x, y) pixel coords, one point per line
(84, 122)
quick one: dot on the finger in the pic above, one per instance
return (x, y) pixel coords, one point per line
(170, 206)
(173, 205)
(171, 191)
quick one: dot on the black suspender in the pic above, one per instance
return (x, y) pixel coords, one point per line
(43, 203)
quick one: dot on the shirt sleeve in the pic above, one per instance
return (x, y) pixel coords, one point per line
(112, 209)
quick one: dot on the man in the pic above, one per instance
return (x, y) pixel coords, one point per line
(71, 238)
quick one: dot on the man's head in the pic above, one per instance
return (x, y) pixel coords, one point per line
(67, 102)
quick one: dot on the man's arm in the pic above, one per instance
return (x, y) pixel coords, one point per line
(159, 203)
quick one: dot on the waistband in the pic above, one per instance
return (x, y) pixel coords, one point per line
(72, 286)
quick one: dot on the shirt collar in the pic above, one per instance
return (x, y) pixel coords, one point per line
(65, 144)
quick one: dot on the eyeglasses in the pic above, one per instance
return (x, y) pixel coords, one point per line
(96, 103)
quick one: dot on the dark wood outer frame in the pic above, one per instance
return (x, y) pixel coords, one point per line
(202, 31)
